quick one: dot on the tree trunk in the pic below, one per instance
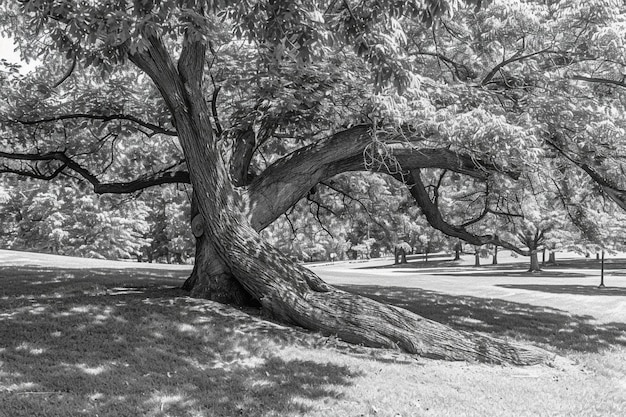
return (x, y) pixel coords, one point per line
(457, 251)
(534, 261)
(287, 291)
(211, 278)
(552, 258)
(477, 257)
(495, 256)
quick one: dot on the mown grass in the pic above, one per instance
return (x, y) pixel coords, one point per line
(106, 342)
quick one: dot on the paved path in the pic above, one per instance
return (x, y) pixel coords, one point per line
(571, 290)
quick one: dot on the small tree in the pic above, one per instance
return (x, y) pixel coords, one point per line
(400, 251)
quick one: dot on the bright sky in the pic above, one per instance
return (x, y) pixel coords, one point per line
(7, 50)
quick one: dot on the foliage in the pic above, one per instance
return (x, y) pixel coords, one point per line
(58, 217)
(530, 91)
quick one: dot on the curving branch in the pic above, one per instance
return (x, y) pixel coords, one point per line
(435, 219)
(67, 73)
(105, 118)
(288, 179)
(160, 178)
(610, 188)
(516, 57)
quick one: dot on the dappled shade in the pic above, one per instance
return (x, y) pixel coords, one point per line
(87, 340)
(570, 289)
(552, 328)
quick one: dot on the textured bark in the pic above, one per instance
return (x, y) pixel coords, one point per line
(286, 290)
(552, 258)
(286, 181)
(534, 262)
(400, 256)
(211, 278)
(243, 149)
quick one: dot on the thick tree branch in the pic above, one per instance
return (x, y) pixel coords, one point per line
(286, 181)
(244, 143)
(436, 220)
(597, 80)
(160, 178)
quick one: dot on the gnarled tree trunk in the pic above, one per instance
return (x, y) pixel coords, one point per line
(286, 290)
(211, 278)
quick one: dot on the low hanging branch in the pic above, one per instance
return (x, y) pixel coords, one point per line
(162, 177)
(436, 220)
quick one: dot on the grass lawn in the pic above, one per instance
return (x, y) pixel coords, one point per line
(95, 338)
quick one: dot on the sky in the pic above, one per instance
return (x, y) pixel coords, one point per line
(7, 51)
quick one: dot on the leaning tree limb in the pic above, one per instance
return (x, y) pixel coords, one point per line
(287, 180)
(435, 219)
(165, 176)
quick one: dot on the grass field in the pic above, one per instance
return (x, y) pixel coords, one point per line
(98, 338)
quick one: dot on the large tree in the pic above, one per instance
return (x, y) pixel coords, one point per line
(269, 99)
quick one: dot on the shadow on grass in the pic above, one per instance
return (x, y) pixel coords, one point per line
(589, 263)
(569, 289)
(543, 325)
(128, 343)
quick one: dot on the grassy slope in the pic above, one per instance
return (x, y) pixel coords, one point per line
(78, 338)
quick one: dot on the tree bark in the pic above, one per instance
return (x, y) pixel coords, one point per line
(477, 256)
(552, 258)
(495, 255)
(534, 262)
(400, 256)
(457, 251)
(286, 290)
(211, 278)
